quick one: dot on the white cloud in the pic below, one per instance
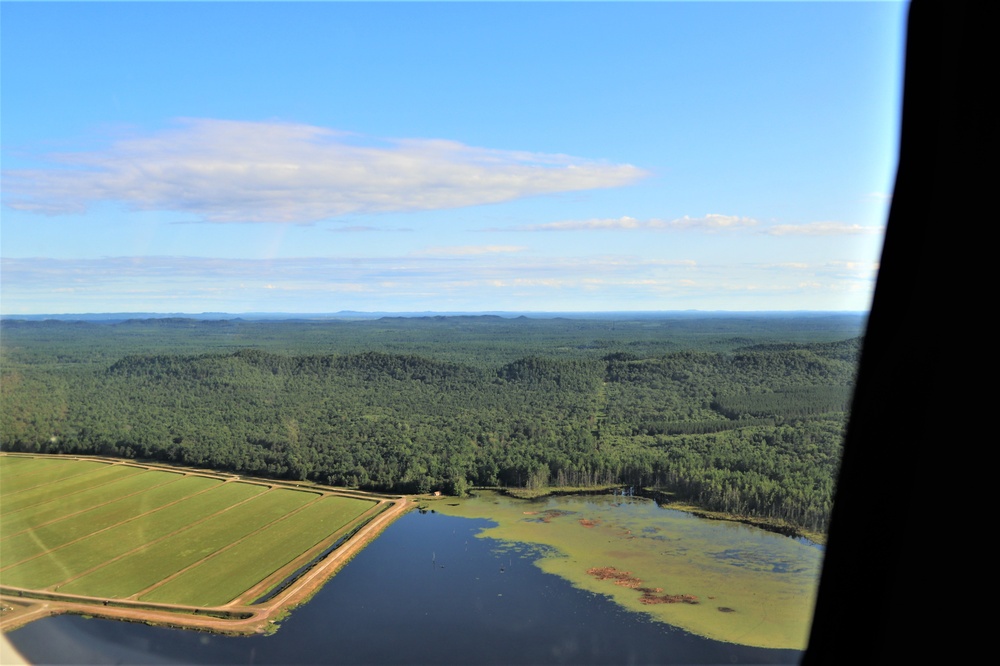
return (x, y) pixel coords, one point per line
(553, 283)
(710, 222)
(822, 229)
(360, 228)
(447, 266)
(469, 250)
(855, 265)
(502, 280)
(586, 225)
(234, 171)
(827, 269)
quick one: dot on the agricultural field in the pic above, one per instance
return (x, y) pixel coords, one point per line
(121, 533)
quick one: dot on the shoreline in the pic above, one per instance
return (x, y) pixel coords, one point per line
(664, 499)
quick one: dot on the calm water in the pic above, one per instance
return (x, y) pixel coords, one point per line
(425, 592)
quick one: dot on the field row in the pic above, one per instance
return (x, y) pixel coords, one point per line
(117, 531)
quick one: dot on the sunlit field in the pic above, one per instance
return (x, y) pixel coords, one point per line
(125, 531)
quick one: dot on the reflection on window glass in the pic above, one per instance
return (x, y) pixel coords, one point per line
(545, 317)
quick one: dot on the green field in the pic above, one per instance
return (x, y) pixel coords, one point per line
(119, 531)
(221, 578)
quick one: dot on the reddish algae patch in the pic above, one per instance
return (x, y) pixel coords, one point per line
(650, 595)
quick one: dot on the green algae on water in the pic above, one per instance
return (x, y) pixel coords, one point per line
(717, 579)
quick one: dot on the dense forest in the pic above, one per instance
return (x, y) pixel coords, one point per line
(737, 414)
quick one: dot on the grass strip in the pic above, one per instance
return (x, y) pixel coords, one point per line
(34, 517)
(51, 472)
(66, 491)
(145, 568)
(12, 466)
(63, 564)
(46, 596)
(225, 577)
(161, 488)
(344, 536)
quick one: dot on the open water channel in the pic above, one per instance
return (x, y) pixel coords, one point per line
(427, 591)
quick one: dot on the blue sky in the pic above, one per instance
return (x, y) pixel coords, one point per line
(324, 156)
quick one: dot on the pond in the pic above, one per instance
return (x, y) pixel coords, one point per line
(426, 591)
(718, 579)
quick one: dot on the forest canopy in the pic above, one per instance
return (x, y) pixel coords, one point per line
(741, 414)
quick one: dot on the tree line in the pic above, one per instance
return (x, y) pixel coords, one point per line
(752, 431)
